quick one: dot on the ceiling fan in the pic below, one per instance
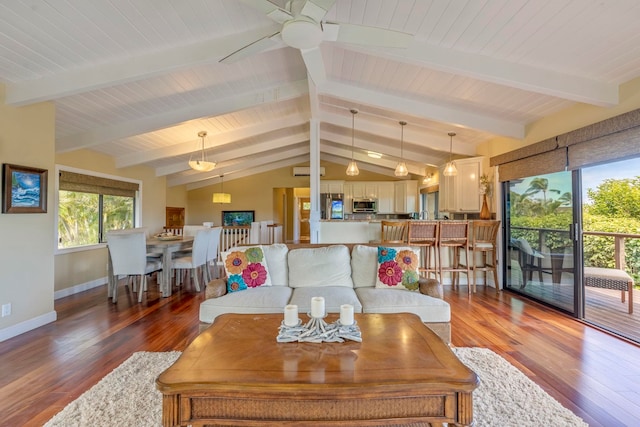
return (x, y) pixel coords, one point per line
(303, 28)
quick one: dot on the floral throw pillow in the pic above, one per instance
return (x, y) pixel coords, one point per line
(246, 268)
(397, 268)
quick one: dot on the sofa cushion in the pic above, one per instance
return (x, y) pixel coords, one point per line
(398, 268)
(334, 297)
(245, 268)
(276, 255)
(317, 267)
(364, 266)
(270, 299)
(429, 309)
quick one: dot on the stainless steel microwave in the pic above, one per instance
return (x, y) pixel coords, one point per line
(365, 205)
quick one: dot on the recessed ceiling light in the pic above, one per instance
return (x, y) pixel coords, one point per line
(374, 155)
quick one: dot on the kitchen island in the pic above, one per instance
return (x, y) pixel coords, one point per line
(349, 231)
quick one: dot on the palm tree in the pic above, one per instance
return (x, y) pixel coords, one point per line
(539, 185)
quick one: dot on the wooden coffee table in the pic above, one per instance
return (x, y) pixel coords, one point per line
(236, 374)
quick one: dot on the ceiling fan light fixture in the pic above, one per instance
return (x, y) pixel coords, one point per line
(302, 33)
(201, 164)
(352, 169)
(450, 168)
(401, 168)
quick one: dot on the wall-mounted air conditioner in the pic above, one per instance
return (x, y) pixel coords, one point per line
(305, 171)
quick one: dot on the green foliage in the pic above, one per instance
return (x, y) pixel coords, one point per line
(618, 198)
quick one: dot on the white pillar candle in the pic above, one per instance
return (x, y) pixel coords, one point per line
(346, 314)
(291, 315)
(317, 307)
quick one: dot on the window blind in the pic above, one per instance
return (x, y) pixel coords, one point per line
(72, 181)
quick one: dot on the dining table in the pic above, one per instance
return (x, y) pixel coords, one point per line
(167, 245)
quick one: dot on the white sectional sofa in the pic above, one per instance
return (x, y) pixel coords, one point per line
(342, 274)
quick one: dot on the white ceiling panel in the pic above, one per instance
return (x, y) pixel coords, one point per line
(138, 79)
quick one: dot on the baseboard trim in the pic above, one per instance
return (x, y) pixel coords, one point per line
(27, 325)
(79, 288)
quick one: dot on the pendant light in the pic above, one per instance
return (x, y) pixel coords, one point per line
(450, 168)
(352, 169)
(201, 165)
(401, 168)
(221, 197)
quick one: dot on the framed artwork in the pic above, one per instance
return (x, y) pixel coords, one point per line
(24, 189)
(236, 218)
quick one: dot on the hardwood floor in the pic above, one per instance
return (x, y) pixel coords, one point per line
(594, 374)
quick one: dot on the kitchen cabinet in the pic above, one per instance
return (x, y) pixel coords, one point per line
(386, 200)
(461, 193)
(331, 187)
(406, 196)
(365, 190)
(348, 197)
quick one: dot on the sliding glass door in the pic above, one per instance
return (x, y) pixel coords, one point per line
(539, 226)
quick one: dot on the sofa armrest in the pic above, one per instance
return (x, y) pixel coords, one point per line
(216, 288)
(431, 287)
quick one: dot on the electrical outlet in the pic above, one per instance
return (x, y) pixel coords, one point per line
(6, 310)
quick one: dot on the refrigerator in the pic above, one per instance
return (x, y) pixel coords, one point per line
(332, 206)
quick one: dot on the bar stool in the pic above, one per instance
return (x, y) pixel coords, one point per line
(424, 234)
(394, 231)
(454, 237)
(484, 235)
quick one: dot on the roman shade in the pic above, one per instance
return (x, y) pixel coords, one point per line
(612, 139)
(72, 181)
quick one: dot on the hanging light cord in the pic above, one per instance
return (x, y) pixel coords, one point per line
(353, 125)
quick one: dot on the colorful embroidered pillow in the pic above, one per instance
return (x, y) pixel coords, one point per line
(246, 268)
(397, 268)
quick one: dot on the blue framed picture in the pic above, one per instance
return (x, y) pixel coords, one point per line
(24, 189)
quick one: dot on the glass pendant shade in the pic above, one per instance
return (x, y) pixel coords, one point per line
(450, 168)
(201, 164)
(352, 169)
(401, 168)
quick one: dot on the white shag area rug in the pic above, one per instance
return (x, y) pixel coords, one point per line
(128, 397)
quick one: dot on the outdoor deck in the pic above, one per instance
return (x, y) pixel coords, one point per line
(603, 307)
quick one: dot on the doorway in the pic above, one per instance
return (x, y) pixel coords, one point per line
(304, 207)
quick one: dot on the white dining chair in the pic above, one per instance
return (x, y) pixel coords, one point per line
(128, 257)
(191, 230)
(212, 252)
(197, 258)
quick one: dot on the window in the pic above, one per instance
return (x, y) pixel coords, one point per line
(89, 206)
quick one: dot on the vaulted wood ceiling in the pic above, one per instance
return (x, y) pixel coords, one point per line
(138, 79)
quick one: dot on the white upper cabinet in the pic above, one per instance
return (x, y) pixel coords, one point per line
(331, 187)
(386, 199)
(406, 196)
(461, 193)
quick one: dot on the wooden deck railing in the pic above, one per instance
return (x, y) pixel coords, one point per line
(234, 236)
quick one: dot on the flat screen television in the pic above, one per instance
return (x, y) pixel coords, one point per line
(230, 218)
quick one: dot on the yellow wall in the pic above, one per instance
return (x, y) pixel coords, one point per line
(89, 266)
(27, 138)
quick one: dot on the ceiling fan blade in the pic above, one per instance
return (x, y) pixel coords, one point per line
(363, 35)
(315, 65)
(273, 11)
(317, 9)
(252, 48)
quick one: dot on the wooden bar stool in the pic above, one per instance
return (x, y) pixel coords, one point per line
(394, 231)
(424, 234)
(454, 237)
(483, 241)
